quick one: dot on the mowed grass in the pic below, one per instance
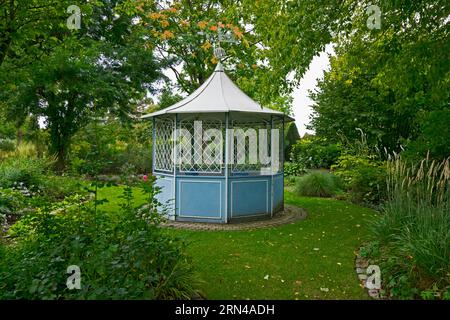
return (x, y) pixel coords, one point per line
(309, 259)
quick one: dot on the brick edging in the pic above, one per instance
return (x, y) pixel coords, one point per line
(288, 215)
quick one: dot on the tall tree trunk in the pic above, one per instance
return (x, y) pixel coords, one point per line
(60, 164)
(19, 137)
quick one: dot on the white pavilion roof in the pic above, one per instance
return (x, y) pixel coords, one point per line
(217, 94)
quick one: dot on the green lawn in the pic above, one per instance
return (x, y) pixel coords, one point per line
(309, 259)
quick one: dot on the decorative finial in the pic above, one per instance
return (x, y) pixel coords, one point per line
(219, 52)
(222, 36)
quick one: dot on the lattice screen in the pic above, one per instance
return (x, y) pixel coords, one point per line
(164, 144)
(279, 126)
(247, 143)
(201, 154)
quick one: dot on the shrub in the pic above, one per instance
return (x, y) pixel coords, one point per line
(7, 145)
(293, 169)
(363, 177)
(11, 202)
(59, 187)
(28, 172)
(103, 148)
(124, 256)
(315, 153)
(291, 137)
(317, 184)
(415, 228)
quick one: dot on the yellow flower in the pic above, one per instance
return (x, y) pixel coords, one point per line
(237, 32)
(154, 15)
(202, 24)
(167, 34)
(164, 23)
(185, 23)
(213, 28)
(206, 46)
(214, 60)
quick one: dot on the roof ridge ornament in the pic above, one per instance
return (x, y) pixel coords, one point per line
(219, 52)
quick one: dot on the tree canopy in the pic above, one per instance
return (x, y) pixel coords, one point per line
(392, 83)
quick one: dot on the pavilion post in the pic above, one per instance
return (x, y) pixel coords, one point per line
(271, 165)
(153, 145)
(175, 163)
(227, 155)
(282, 160)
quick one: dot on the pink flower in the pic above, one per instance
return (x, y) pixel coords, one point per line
(145, 178)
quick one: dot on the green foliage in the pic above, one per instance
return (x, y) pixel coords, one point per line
(363, 177)
(167, 99)
(318, 184)
(31, 177)
(7, 129)
(82, 77)
(291, 137)
(433, 139)
(414, 230)
(109, 146)
(24, 172)
(392, 83)
(123, 256)
(11, 204)
(7, 145)
(293, 169)
(315, 153)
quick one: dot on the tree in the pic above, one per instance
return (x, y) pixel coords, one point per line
(388, 82)
(291, 137)
(103, 68)
(185, 33)
(167, 98)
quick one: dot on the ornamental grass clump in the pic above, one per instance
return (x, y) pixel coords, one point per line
(415, 225)
(318, 184)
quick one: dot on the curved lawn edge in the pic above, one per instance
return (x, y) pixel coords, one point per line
(308, 259)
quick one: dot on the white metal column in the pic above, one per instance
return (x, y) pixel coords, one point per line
(227, 153)
(175, 163)
(271, 167)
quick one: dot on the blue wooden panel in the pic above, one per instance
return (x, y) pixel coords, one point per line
(166, 197)
(278, 193)
(200, 198)
(249, 197)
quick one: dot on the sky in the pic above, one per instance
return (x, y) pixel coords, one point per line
(302, 103)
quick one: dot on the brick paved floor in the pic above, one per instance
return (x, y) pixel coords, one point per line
(290, 214)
